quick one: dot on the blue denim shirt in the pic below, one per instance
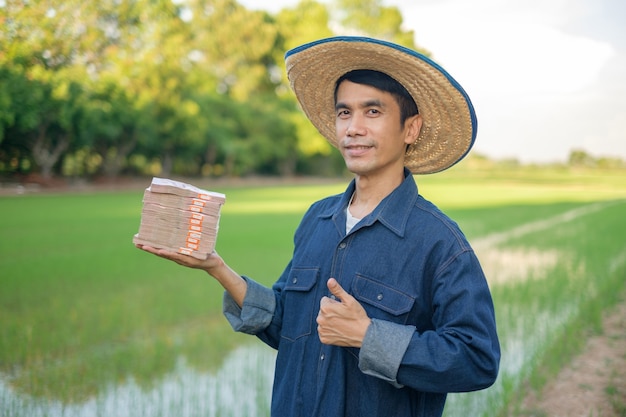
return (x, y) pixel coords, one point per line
(433, 329)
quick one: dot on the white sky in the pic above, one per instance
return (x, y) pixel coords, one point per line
(544, 77)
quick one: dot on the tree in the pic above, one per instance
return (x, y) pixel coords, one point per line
(234, 47)
(19, 98)
(151, 69)
(112, 124)
(46, 108)
(55, 45)
(58, 118)
(371, 18)
(580, 158)
(289, 21)
(10, 81)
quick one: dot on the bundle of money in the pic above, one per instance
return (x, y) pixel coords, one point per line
(180, 217)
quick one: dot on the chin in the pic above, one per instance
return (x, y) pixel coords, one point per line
(357, 169)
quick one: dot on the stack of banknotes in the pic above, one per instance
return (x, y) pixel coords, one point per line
(180, 218)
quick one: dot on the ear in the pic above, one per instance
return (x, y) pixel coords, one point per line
(412, 127)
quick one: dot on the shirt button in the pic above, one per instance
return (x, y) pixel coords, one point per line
(322, 357)
(379, 297)
(342, 245)
(294, 280)
(332, 296)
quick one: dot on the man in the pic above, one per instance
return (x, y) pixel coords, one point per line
(384, 307)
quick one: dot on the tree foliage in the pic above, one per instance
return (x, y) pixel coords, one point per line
(188, 87)
(370, 17)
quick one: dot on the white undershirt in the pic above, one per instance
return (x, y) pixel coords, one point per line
(351, 221)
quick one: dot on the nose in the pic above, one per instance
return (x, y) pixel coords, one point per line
(355, 127)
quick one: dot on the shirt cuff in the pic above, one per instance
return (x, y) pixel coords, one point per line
(257, 311)
(383, 348)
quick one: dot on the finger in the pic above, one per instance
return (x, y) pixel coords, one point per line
(326, 301)
(336, 289)
(163, 253)
(147, 248)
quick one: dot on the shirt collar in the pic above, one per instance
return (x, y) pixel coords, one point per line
(393, 211)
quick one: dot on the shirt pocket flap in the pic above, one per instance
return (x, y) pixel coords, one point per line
(302, 279)
(382, 296)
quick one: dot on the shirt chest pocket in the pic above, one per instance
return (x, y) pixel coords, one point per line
(382, 301)
(300, 303)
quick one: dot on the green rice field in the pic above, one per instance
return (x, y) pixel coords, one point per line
(91, 326)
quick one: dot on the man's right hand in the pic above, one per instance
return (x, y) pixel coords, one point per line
(212, 263)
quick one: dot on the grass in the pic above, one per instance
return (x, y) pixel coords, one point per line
(81, 309)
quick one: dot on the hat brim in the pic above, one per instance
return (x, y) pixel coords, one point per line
(449, 120)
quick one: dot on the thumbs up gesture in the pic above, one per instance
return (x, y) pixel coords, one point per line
(342, 320)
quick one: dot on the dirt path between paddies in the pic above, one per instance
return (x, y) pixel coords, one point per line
(594, 383)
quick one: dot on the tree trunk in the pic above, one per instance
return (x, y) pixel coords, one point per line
(46, 154)
(167, 164)
(115, 158)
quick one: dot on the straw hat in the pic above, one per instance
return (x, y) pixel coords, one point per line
(449, 120)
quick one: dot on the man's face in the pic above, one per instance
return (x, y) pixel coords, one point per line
(368, 129)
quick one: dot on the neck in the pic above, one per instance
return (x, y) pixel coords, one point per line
(369, 193)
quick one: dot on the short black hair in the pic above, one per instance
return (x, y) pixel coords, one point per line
(383, 82)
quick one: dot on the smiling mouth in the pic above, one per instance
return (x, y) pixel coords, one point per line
(358, 147)
(355, 151)
(353, 145)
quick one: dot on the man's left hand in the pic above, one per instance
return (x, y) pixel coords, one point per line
(342, 320)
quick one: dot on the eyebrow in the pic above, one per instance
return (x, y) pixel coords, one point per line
(365, 104)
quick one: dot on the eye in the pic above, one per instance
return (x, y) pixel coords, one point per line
(342, 114)
(373, 111)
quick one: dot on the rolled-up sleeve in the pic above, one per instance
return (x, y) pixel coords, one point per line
(383, 349)
(257, 312)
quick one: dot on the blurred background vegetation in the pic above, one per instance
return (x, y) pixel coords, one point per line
(196, 88)
(187, 87)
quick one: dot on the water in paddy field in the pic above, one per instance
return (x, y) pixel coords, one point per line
(241, 387)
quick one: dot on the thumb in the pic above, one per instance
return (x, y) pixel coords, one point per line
(336, 289)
